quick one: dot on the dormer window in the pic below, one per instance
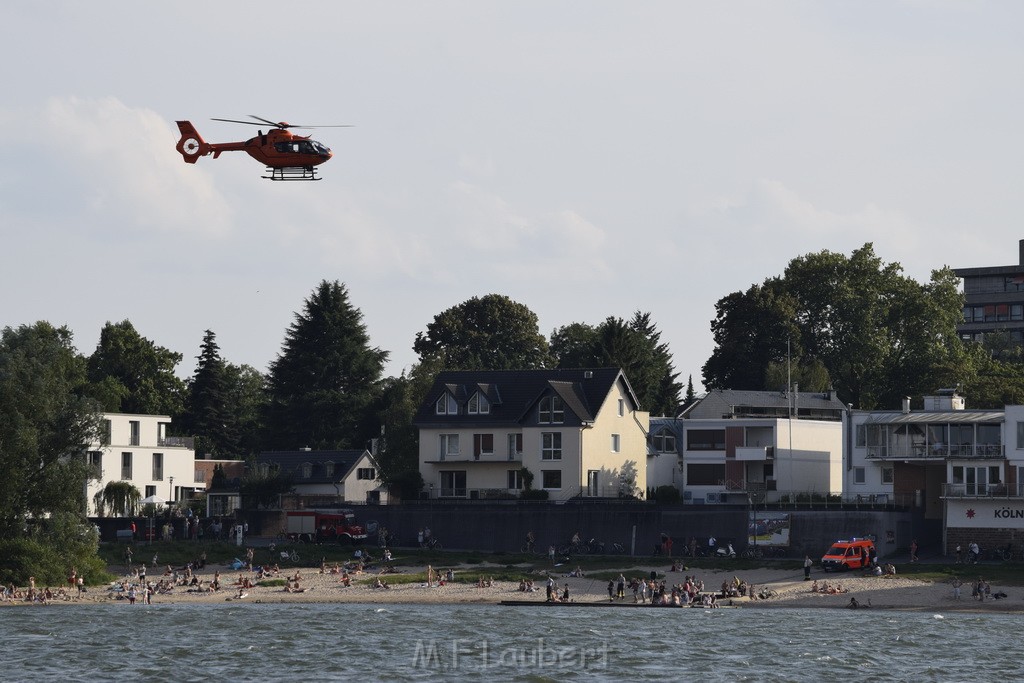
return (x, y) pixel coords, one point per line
(552, 410)
(329, 469)
(664, 441)
(446, 405)
(307, 470)
(478, 405)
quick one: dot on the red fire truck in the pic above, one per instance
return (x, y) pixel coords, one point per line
(324, 526)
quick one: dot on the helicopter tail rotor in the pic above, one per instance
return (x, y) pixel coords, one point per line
(191, 146)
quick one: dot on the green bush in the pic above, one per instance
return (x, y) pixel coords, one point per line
(666, 494)
(50, 564)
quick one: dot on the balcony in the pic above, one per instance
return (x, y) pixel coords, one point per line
(935, 452)
(983, 490)
(176, 442)
(473, 494)
(755, 453)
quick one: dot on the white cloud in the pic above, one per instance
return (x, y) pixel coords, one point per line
(122, 164)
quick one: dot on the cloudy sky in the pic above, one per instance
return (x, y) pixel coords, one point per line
(587, 159)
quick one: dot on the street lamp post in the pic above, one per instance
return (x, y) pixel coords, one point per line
(171, 497)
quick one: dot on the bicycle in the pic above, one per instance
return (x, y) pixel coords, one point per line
(433, 544)
(752, 552)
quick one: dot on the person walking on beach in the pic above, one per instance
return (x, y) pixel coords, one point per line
(621, 587)
(913, 550)
(956, 587)
(808, 563)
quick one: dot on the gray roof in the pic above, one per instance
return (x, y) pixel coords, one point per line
(291, 462)
(719, 403)
(514, 393)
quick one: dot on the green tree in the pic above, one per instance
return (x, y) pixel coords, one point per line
(131, 374)
(855, 323)
(751, 330)
(492, 332)
(247, 395)
(397, 453)
(263, 490)
(636, 347)
(324, 385)
(575, 345)
(46, 424)
(119, 498)
(208, 415)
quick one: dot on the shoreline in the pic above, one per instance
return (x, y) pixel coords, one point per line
(791, 591)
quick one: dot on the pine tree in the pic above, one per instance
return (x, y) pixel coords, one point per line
(323, 386)
(208, 416)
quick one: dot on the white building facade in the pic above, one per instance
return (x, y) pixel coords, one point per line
(136, 449)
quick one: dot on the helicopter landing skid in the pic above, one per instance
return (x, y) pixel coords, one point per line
(291, 173)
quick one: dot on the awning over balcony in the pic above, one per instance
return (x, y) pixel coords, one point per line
(949, 417)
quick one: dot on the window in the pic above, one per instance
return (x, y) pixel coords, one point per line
(515, 480)
(478, 405)
(593, 483)
(887, 474)
(1020, 435)
(976, 480)
(862, 436)
(551, 479)
(449, 445)
(307, 470)
(133, 436)
(126, 465)
(105, 433)
(483, 444)
(366, 473)
(664, 441)
(158, 467)
(705, 439)
(705, 474)
(616, 443)
(552, 410)
(328, 469)
(446, 405)
(622, 407)
(858, 475)
(551, 446)
(515, 446)
(95, 460)
(453, 483)
(150, 491)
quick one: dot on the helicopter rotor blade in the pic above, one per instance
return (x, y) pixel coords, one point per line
(247, 123)
(277, 124)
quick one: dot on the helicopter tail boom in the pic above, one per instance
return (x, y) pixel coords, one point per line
(191, 146)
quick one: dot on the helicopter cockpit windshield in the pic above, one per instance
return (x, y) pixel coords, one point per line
(320, 148)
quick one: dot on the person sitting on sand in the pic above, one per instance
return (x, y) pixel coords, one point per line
(814, 586)
(241, 593)
(346, 580)
(890, 569)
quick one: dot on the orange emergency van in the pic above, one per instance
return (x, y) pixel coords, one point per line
(855, 553)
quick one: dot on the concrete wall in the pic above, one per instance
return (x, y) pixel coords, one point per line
(495, 526)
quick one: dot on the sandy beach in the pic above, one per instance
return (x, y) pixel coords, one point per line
(790, 588)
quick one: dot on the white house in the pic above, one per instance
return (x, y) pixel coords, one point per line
(136, 449)
(327, 477)
(732, 444)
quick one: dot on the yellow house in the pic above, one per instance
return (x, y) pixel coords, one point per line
(571, 432)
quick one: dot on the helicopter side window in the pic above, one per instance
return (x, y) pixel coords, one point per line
(305, 148)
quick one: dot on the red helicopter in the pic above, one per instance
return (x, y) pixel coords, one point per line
(287, 156)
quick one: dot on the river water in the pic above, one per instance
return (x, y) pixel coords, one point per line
(347, 642)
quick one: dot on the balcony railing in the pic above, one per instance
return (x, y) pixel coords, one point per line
(983, 490)
(935, 452)
(176, 442)
(475, 494)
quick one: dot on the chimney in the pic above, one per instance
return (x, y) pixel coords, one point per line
(906, 405)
